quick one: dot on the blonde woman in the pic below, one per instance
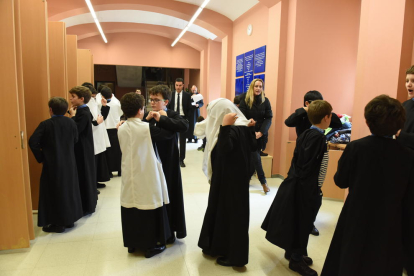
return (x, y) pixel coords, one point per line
(257, 107)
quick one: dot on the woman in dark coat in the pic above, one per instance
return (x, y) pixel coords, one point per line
(257, 107)
(194, 114)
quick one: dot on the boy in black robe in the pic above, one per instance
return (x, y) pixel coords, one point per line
(290, 218)
(170, 120)
(300, 121)
(84, 150)
(376, 225)
(52, 144)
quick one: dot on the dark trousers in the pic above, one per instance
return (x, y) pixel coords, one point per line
(183, 141)
(318, 204)
(257, 163)
(204, 142)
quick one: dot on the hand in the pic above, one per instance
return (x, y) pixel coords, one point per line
(162, 113)
(149, 116)
(229, 119)
(258, 135)
(104, 101)
(251, 123)
(306, 108)
(100, 119)
(72, 111)
(398, 133)
(156, 115)
(119, 124)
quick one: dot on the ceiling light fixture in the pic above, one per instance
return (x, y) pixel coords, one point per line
(95, 18)
(200, 9)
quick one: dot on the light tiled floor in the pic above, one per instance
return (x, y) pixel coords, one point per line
(94, 246)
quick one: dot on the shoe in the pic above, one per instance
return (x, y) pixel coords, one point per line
(70, 225)
(51, 228)
(131, 249)
(98, 192)
(119, 173)
(111, 175)
(315, 231)
(263, 153)
(307, 259)
(182, 165)
(171, 240)
(101, 185)
(226, 262)
(200, 149)
(266, 188)
(302, 268)
(154, 251)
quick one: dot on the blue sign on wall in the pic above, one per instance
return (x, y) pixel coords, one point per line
(248, 69)
(240, 66)
(260, 60)
(239, 86)
(262, 77)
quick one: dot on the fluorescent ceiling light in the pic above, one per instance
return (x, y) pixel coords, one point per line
(95, 18)
(197, 13)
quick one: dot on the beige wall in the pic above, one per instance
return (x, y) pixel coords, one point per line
(85, 66)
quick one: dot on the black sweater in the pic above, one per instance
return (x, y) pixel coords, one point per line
(260, 112)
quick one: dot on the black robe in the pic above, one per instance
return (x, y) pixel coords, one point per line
(377, 219)
(170, 159)
(143, 229)
(52, 144)
(225, 230)
(406, 136)
(85, 160)
(290, 218)
(192, 119)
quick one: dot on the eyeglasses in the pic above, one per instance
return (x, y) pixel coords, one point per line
(156, 100)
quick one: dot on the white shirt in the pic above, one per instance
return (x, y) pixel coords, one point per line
(180, 103)
(100, 135)
(115, 113)
(143, 182)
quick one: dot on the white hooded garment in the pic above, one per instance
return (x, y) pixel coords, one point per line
(143, 182)
(100, 135)
(210, 127)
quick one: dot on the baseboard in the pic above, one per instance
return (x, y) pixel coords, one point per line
(278, 176)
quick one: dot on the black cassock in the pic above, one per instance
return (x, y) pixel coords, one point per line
(290, 218)
(52, 144)
(170, 159)
(192, 119)
(225, 230)
(377, 219)
(85, 160)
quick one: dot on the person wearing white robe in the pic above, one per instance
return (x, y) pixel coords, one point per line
(144, 193)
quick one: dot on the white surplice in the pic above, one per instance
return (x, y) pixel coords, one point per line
(100, 135)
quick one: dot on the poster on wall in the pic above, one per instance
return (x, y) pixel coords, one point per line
(248, 69)
(262, 77)
(239, 86)
(260, 60)
(240, 66)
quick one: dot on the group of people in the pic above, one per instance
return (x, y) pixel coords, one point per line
(375, 231)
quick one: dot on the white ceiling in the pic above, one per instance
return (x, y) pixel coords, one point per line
(136, 16)
(233, 9)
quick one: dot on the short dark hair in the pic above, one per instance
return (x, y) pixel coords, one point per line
(317, 110)
(106, 92)
(236, 100)
(82, 91)
(90, 86)
(58, 105)
(161, 89)
(384, 115)
(410, 70)
(131, 103)
(312, 95)
(179, 80)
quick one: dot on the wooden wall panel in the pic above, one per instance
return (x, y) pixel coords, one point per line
(72, 61)
(92, 72)
(36, 76)
(84, 66)
(14, 232)
(57, 59)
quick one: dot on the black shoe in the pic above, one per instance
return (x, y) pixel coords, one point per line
(171, 240)
(98, 192)
(111, 175)
(302, 268)
(307, 259)
(131, 249)
(263, 153)
(119, 174)
(200, 149)
(51, 228)
(315, 231)
(182, 165)
(70, 225)
(154, 251)
(100, 185)
(226, 262)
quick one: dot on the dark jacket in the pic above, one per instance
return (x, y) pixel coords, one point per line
(186, 102)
